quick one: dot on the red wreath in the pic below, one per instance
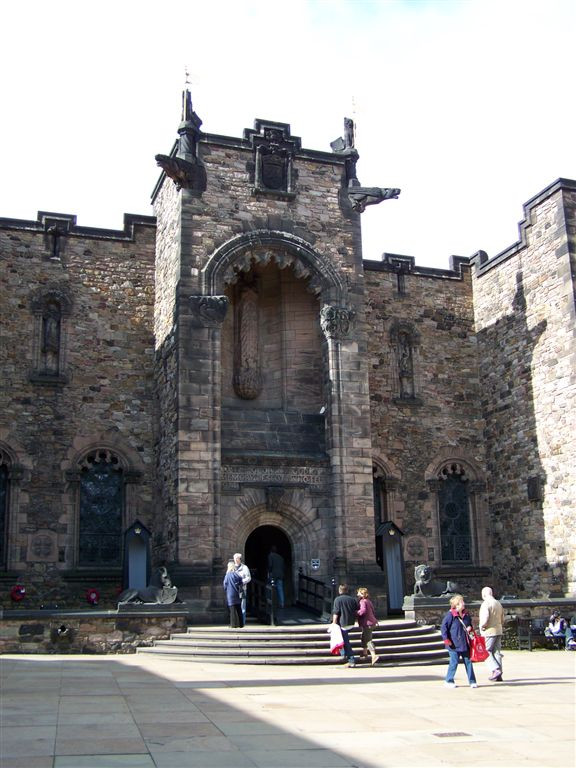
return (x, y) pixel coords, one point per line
(92, 596)
(18, 592)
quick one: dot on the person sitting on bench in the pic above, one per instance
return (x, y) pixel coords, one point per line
(556, 626)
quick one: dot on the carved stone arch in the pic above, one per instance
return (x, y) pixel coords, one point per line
(54, 292)
(110, 439)
(294, 514)
(448, 456)
(385, 468)
(404, 326)
(262, 246)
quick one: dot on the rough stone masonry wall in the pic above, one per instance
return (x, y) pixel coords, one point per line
(226, 209)
(412, 437)
(108, 397)
(525, 320)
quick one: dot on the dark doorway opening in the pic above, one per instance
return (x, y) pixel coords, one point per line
(256, 555)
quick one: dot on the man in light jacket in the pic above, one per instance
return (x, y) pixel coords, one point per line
(244, 572)
(491, 621)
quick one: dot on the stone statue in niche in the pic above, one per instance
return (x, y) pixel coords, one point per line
(247, 378)
(405, 366)
(50, 348)
(426, 586)
(159, 592)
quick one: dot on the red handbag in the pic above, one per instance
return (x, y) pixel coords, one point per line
(478, 650)
(476, 643)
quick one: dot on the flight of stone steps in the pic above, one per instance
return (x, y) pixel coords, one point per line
(397, 642)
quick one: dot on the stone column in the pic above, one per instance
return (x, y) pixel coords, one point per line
(199, 446)
(349, 445)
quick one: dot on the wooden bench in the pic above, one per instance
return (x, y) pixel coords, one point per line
(533, 629)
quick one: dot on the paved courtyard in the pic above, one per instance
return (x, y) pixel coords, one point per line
(145, 712)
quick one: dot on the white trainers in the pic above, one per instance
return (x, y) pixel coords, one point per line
(473, 685)
(449, 685)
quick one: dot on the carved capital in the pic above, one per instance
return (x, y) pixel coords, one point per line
(336, 322)
(208, 311)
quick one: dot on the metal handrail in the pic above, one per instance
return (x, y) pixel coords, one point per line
(316, 595)
(263, 601)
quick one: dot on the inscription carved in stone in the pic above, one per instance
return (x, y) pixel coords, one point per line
(279, 476)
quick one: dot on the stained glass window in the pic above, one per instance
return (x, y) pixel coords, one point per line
(455, 517)
(101, 509)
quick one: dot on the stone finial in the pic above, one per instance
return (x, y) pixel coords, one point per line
(184, 166)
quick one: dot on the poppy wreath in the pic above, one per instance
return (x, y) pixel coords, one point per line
(17, 593)
(92, 596)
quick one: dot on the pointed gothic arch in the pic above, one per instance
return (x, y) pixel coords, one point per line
(260, 247)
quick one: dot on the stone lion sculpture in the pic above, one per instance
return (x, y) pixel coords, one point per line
(159, 592)
(426, 586)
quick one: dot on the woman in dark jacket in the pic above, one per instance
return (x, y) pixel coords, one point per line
(232, 585)
(456, 629)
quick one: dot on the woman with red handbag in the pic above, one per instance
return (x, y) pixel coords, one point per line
(456, 632)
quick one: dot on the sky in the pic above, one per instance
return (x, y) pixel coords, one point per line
(466, 105)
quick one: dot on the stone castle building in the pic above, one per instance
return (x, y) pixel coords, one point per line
(230, 374)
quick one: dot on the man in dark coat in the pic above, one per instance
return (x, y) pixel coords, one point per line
(344, 613)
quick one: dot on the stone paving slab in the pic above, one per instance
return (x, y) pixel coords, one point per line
(144, 711)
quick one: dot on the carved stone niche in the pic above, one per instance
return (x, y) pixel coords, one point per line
(272, 169)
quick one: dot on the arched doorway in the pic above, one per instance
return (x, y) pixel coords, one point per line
(256, 552)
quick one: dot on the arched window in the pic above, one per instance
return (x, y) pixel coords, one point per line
(4, 497)
(101, 512)
(454, 514)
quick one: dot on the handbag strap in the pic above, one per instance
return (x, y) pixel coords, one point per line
(468, 634)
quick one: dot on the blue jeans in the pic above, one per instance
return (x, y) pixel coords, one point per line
(453, 665)
(346, 652)
(279, 583)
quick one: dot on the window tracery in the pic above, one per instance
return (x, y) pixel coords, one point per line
(101, 509)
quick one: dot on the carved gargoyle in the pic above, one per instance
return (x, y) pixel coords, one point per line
(184, 174)
(360, 197)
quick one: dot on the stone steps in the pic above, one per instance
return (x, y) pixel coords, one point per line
(397, 642)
